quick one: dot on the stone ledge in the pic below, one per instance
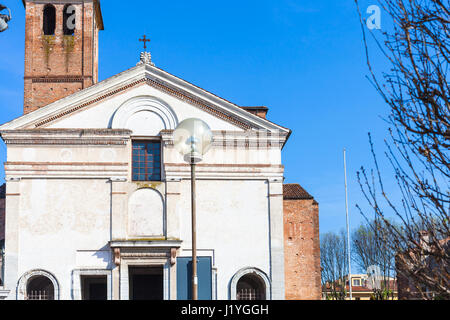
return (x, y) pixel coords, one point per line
(4, 293)
(146, 244)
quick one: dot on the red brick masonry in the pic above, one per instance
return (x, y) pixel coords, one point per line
(57, 66)
(301, 244)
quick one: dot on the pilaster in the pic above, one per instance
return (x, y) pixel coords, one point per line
(119, 208)
(276, 238)
(12, 235)
(173, 195)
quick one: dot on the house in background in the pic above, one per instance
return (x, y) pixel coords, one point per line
(98, 200)
(361, 288)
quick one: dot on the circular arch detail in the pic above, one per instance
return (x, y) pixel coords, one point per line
(141, 104)
(24, 279)
(249, 271)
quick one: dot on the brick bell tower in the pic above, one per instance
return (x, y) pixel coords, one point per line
(61, 49)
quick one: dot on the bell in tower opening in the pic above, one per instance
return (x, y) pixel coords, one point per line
(61, 49)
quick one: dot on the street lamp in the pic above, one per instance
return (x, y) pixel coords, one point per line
(193, 138)
(4, 19)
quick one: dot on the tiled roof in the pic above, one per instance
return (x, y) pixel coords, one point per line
(294, 191)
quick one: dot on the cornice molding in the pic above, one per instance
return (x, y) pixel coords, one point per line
(85, 104)
(66, 136)
(57, 79)
(250, 139)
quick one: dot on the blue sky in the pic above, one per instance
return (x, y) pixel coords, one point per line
(303, 59)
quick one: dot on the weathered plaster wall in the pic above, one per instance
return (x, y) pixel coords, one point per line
(62, 217)
(63, 223)
(229, 224)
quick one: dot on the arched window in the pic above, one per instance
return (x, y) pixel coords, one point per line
(69, 20)
(49, 20)
(37, 285)
(250, 284)
(250, 287)
(40, 288)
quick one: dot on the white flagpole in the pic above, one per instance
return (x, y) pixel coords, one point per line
(348, 231)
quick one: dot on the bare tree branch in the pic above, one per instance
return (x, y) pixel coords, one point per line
(417, 48)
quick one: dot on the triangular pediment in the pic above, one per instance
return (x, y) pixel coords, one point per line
(138, 76)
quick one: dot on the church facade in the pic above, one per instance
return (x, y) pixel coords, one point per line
(98, 201)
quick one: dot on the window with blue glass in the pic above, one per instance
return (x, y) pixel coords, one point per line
(146, 161)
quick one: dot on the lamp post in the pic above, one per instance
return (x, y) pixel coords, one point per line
(193, 138)
(4, 19)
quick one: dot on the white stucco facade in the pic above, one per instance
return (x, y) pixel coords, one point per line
(73, 209)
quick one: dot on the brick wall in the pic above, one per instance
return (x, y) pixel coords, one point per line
(302, 249)
(57, 65)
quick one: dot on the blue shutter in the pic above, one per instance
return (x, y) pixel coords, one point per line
(184, 276)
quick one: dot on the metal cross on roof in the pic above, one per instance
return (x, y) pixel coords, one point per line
(145, 40)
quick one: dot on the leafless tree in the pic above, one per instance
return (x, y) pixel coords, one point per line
(370, 248)
(334, 264)
(416, 44)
